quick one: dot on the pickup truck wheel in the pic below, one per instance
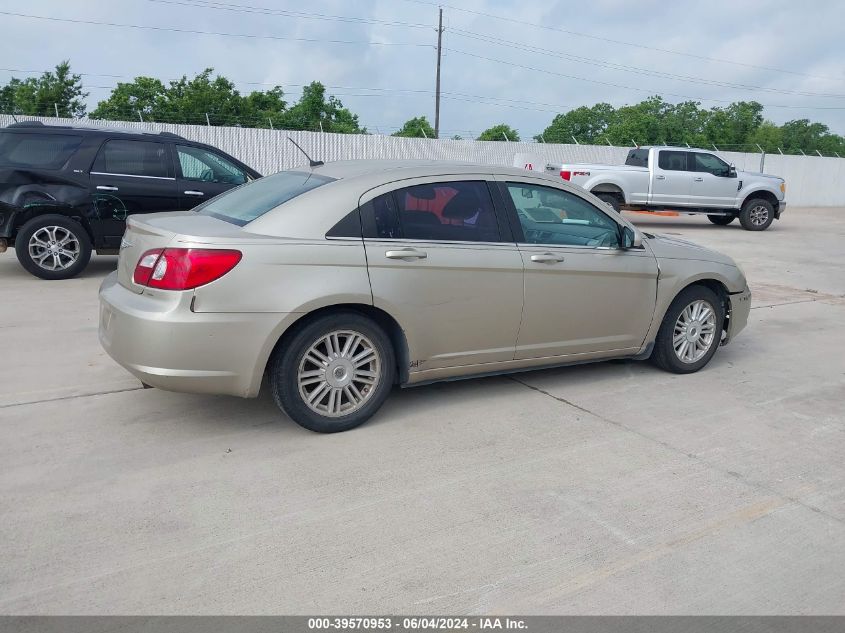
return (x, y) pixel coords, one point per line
(757, 215)
(721, 220)
(610, 199)
(53, 247)
(691, 331)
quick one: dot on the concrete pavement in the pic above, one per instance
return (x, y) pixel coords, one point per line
(607, 488)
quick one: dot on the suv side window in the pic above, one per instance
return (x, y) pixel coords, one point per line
(672, 161)
(555, 217)
(709, 164)
(459, 211)
(44, 151)
(203, 166)
(133, 158)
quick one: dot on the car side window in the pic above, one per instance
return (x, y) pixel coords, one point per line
(709, 164)
(133, 158)
(203, 166)
(555, 217)
(457, 211)
(672, 161)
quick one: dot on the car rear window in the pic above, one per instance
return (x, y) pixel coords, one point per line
(44, 151)
(637, 158)
(250, 201)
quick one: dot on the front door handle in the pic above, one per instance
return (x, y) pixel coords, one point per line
(105, 188)
(406, 253)
(547, 258)
(660, 177)
(699, 179)
(193, 192)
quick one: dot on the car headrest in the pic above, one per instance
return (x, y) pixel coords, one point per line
(463, 205)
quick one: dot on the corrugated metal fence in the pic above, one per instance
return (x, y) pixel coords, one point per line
(811, 180)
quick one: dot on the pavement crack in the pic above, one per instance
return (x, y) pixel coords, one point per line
(729, 473)
(73, 397)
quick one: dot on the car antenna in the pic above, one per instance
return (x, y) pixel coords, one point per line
(311, 161)
(14, 117)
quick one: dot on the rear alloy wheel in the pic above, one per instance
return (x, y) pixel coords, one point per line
(721, 220)
(691, 331)
(757, 215)
(53, 247)
(334, 373)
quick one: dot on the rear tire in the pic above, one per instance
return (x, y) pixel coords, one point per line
(721, 220)
(611, 199)
(333, 373)
(691, 331)
(757, 215)
(53, 247)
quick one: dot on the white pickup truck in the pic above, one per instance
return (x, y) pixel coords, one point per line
(685, 180)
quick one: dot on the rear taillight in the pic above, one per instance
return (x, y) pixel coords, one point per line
(566, 175)
(183, 268)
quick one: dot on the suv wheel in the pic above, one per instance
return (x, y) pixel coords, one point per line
(334, 373)
(53, 247)
(757, 215)
(691, 331)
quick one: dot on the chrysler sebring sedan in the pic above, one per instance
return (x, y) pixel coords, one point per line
(338, 282)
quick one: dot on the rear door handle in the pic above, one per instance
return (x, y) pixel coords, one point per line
(406, 253)
(660, 177)
(106, 188)
(547, 258)
(192, 192)
(699, 179)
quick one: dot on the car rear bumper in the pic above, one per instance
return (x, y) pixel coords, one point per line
(739, 307)
(164, 344)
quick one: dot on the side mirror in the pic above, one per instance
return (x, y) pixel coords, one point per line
(527, 193)
(731, 172)
(631, 238)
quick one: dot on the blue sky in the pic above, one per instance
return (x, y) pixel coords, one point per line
(782, 53)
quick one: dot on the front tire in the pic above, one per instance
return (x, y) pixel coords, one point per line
(721, 220)
(333, 373)
(757, 215)
(691, 331)
(53, 247)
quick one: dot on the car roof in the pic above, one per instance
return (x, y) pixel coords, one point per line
(402, 169)
(678, 148)
(39, 127)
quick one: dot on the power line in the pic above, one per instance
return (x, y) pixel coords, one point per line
(632, 69)
(197, 32)
(242, 8)
(615, 85)
(622, 42)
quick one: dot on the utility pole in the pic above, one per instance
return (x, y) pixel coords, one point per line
(437, 81)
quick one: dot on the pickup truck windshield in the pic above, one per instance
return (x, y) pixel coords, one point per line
(252, 200)
(637, 158)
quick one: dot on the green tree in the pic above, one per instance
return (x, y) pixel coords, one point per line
(57, 90)
(144, 95)
(314, 112)
(587, 124)
(498, 133)
(418, 127)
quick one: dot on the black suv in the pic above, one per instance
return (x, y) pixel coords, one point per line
(67, 190)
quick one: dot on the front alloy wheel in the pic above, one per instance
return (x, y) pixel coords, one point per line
(54, 248)
(695, 331)
(691, 331)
